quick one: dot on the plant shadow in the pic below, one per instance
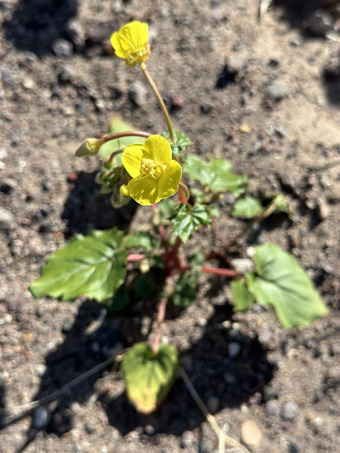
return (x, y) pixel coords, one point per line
(87, 209)
(232, 380)
(36, 24)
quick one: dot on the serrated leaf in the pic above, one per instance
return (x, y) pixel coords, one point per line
(283, 283)
(149, 377)
(248, 207)
(93, 266)
(242, 297)
(188, 220)
(181, 141)
(215, 175)
(119, 125)
(141, 240)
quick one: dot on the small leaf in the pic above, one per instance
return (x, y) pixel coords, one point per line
(242, 297)
(149, 377)
(92, 265)
(248, 207)
(215, 175)
(283, 283)
(118, 302)
(181, 141)
(213, 211)
(281, 204)
(141, 240)
(119, 125)
(185, 290)
(189, 219)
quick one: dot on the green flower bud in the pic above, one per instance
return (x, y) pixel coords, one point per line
(90, 147)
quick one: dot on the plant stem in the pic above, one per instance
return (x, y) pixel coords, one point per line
(159, 99)
(109, 137)
(135, 257)
(218, 271)
(268, 210)
(160, 320)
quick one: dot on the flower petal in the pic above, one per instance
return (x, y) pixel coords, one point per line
(158, 149)
(169, 181)
(132, 159)
(115, 41)
(144, 190)
(134, 36)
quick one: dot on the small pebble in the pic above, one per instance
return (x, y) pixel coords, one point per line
(272, 407)
(149, 430)
(251, 434)
(277, 91)
(213, 403)
(40, 417)
(187, 439)
(293, 446)
(62, 48)
(319, 23)
(6, 220)
(234, 349)
(40, 369)
(138, 93)
(67, 324)
(290, 411)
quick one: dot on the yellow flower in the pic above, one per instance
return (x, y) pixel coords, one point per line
(155, 175)
(131, 43)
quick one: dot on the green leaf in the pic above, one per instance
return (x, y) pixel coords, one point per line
(283, 283)
(185, 290)
(215, 175)
(149, 377)
(119, 125)
(188, 220)
(92, 265)
(242, 297)
(181, 141)
(281, 204)
(248, 207)
(141, 240)
(118, 302)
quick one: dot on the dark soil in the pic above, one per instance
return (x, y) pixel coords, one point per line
(217, 68)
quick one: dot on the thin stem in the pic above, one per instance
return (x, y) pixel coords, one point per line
(268, 210)
(159, 99)
(218, 271)
(118, 135)
(114, 154)
(135, 257)
(160, 320)
(222, 437)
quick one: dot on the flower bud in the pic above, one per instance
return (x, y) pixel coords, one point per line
(90, 147)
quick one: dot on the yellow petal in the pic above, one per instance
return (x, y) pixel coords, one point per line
(169, 181)
(144, 190)
(132, 159)
(158, 148)
(115, 41)
(134, 36)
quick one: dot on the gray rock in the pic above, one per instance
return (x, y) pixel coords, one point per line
(138, 93)
(234, 349)
(243, 265)
(293, 446)
(213, 403)
(40, 369)
(62, 48)
(188, 439)
(272, 407)
(67, 74)
(277, 91)
(40, 417)
(7, 220)
(8, 79)
(290, 411)
(76, 33)
(319, 23)
(67, 325)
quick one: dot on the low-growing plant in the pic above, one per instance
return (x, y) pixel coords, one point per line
(183, 190)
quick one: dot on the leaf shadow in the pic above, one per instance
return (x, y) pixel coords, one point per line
(87, 209)
(36, 24)
(213, 373)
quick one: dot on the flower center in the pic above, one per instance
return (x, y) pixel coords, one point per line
(151, 168)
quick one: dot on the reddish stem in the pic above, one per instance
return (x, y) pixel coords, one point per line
(135, 257)
(160, 320)
(107, 138)
(217, 271)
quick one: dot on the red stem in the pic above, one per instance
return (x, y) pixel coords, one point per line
(135, 257)
(107, 138)
(217, 271)
(160, 320)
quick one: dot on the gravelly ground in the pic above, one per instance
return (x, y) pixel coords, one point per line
(216, 66)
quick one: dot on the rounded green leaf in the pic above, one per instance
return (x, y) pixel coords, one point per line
(149, 377)
(248, 207)
(92, 266)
